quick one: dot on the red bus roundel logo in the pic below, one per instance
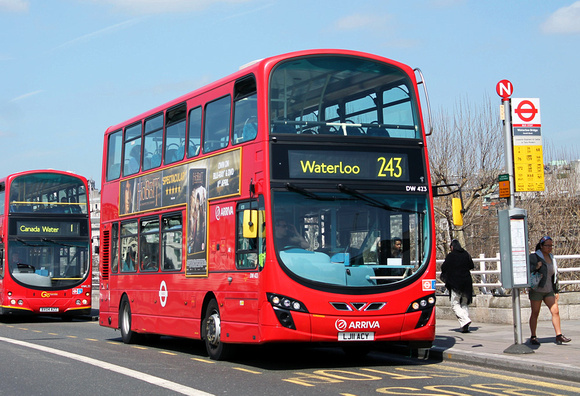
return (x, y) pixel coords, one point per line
(526, 111)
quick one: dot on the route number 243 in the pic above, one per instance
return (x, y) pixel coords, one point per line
(390, 167)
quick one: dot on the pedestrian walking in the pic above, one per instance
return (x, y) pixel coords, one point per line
(455, 272)
(544, 262)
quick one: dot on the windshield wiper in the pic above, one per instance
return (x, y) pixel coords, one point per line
(57, 243)
(24, 242)
(306, 193)
(372, 201)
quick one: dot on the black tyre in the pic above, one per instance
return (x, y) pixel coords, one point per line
(128, 335)
(211, 331)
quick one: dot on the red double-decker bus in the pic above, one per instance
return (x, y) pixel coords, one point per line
(45, 245)
(287, 202)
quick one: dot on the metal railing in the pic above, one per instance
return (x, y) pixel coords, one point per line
(483, 276)
(487, 280)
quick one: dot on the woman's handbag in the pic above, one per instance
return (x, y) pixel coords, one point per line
(535, 279)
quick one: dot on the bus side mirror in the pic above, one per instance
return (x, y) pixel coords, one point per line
(250, 225)
(457, 211)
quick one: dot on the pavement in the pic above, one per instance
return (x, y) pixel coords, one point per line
(486, 343)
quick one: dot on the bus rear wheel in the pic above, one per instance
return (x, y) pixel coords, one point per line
(127, 334)
(211, 331)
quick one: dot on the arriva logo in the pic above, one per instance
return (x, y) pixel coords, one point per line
(223, 212)
(341, 325)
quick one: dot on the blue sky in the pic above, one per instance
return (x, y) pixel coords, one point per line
(71, 68)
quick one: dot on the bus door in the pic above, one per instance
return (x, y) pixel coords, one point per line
(109, 263)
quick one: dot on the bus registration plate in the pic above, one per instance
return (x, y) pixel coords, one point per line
(356, 336)
(49, 309)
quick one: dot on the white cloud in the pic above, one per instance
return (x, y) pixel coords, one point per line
(98, 33)
(361, 21)
(564, 21)
(25, 96)
(14, 5)
(163, 6)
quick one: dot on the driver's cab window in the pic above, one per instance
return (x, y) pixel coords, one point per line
(250, 240)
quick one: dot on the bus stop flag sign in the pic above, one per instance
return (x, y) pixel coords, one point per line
(527, 144)
(504, 88)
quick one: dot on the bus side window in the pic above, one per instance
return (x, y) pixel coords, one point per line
(149, 244)
(245, 110)
(152, 142)
(194, 132)
(216, 131)
(175, 134)
(129, 246)
(132, 149)
(115, 247)
(114, 151)
(172, 243)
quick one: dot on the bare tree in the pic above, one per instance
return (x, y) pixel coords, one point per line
(466, 152)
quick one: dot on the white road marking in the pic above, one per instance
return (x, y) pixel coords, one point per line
(185, 390)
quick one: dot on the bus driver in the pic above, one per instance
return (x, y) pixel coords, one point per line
(287, 236)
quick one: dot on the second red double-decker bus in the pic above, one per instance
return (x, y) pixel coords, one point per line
(45, 245)
(288, 202)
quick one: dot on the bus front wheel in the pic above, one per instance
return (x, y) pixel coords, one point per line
(211, 330)
(127, 334)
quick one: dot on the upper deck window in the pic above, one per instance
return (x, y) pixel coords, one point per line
(216, 132)
(245, 110)
(114, 150)
(132, 149)
(194, 132)
(48, 193)
(153, 142)
(175, 134)
(343, 96)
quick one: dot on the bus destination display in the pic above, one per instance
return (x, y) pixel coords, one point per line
(312, 164)
(47, 228)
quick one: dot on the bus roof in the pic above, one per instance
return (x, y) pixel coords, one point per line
(259, 68)
(49, 170)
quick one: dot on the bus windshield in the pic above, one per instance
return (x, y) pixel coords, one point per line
(342, 95)
(48, 193)
(348, 238)
(59, 263)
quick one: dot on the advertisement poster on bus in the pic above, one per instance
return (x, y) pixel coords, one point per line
(128, 196)
(224, 171)
(197, 223)
(193, 184)
(174, 184)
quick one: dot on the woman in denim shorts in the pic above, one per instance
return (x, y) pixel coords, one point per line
(543, 261)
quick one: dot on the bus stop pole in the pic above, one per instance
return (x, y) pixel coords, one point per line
(518, 347)
(508, 146)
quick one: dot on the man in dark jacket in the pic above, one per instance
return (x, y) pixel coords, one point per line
(455, 272)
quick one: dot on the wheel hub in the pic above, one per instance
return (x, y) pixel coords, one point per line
(213, 329)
